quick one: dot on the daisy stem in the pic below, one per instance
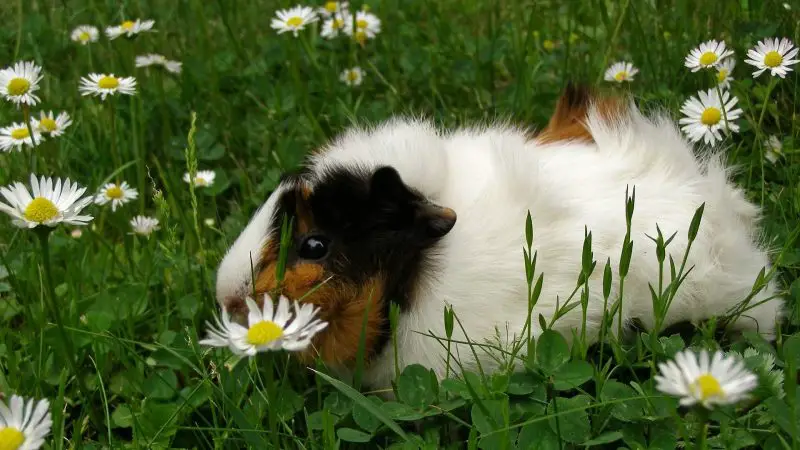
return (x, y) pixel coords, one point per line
(702, 432)
(43, 233)
(26, 112)
(114, 150)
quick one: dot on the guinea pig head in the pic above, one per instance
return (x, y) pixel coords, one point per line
(357, 242)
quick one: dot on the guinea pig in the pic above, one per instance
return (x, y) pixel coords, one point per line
(406, 213)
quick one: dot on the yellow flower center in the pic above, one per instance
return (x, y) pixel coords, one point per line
(128, 25)
(548, 44)
(361, 23)
(18, 86)
(294, 21)
(361, 36)
(330, 6)
(264, 332)
(47, 124)
(108, 82)
(721, 75)
(708, 58)
(39, 210)
(114, 192)
(621, 76)
(773, 59)
(352, 75)
(200, 181)
(11, 438)
(20, 133)
(338, 23)
(84, 36)
(711, 116)
(708, 387)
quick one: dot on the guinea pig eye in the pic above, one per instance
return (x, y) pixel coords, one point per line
(314, 247)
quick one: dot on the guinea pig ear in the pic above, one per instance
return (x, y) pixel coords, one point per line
(405, 209)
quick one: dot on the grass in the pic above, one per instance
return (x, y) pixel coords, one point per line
(108, 329)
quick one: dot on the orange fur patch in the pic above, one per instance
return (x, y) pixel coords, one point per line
(568, 122)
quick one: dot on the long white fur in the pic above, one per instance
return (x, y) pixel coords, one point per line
(493, 176)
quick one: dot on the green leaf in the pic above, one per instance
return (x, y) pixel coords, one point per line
(358, 398)
(627, 410)
(552, 351)
(537, 436)
(401, 411)
(162, 385)
(351, 435)
(122, 417)
(365, 419)
(572, 375)
(414, 386)
(570, 426)
(605, 438)
(338, 403)
(780, 413)
(522, 383)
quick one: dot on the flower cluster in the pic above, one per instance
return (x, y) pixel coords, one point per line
(337, 20)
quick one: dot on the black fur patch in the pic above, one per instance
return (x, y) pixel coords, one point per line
(376, 225)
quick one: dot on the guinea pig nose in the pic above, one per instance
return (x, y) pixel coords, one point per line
(234, 303)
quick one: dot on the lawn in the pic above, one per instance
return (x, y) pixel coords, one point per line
(104, 323)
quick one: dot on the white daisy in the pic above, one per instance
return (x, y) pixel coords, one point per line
(352, 77)
(268, 329)
(17, 135)
(706, 115)
(24, 425)
(153, 59)
(333, 26)
(719, 381)
(52, 125)
(117, 194)
(293, 19)
(19, 82)
(708, 54)
(724, 70)
(104, 85)
(130, 28)
(84, 34)
(333, 8)
(203, 178)
(47, 203)
(143, 225)
(773, 55)
(621, 71)
(773, 149)
(367, 26)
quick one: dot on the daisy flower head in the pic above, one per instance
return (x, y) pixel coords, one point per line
(18, 134)
(19, 82)
(47, 203)
(352, 77)
(773, 149)
(130, 28)
(365, 26)
(52, 125)
(333, 26)
(724, 70)
(116, 194)
(293, 19)
(773, 55)
(270, 328)
(24, 425)
(706, 55)
(84, 34)
(105, 85)
(333, 8)
(143, 225)
(203, 178)
(621, 71)
(707, 380)
(154, 59)
(707, 114)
